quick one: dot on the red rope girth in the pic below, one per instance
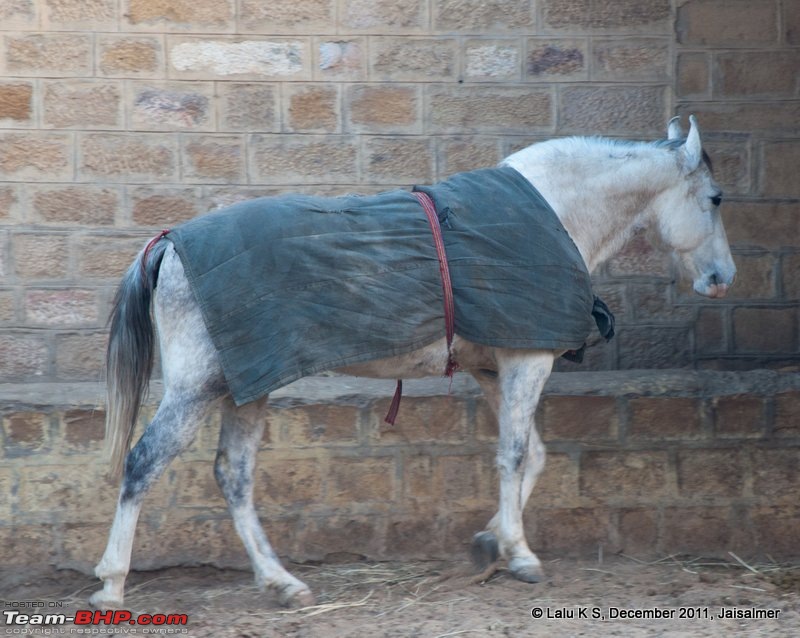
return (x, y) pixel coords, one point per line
(449, 304)
(148, 248)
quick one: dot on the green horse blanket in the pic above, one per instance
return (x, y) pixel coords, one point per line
(294, 285)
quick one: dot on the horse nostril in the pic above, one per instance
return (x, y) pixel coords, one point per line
(714, 279)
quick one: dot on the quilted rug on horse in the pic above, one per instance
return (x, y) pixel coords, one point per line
(294, 285)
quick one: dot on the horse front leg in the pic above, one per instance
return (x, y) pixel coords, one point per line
(514, 395)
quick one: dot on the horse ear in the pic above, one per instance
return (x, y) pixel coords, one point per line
(674, 129)
(692, 149)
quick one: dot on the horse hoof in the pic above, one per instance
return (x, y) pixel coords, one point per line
(485, 549)
(102, 601)
(526, 571)
(297, 598)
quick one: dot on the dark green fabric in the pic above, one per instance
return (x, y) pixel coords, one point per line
(294, 285)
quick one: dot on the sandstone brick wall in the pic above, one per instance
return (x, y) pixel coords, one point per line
(647, 463)
(120, 117)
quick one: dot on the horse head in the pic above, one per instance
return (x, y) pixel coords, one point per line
(688, 219)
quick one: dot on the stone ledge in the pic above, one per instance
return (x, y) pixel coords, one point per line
(356, 391)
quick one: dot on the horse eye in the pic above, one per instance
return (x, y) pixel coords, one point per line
(716, 200)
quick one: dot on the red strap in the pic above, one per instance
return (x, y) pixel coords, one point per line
(449, 304)
(149, 247)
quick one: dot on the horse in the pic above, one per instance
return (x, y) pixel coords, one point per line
(601, 189)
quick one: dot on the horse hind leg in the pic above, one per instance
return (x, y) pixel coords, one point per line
(169, 433)
(238, 445)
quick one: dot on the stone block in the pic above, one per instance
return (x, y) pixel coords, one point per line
(16, 103)
(298, 159)
(776, 74)
(492, 60)
(765, 330)
(739, 416)
(81, 357)
(654, 347)
(776, 529)
(414, 59)
(755, 277)
(75, 492)
(626, 476)
(791, 22)
(457, 154)
(401, 159)
(312, 108)
(213, 159)
(711, 473)
(34, 157)
(787, 414)
(382, 108)
(431, 419)
(776, 474)
(83, 430)
(248, 107)
(128, 157)
(49, 54)
(129, 56)
(340, 59)
(665, 418)
(571, 531)
(61, 308)
(726, 23)
(26, 357)
(731, 165)
(630, 59)
(612, 109)
(503, 109)
(383, 16)
(626, 16)
(317, 424)
(83, 105)
(172, 106)
(163, 207)
(27, 431)
(75, 205)
(256, 59)
(19, 543)
(289, 483)
(696, 530)
(638, 530)
(693, 75)
(77, 15)
(576, 418)
(551, 59)
(790, 276)
(778, 178)
(762, 224)
(772, 118)
(558, 484)
(360, 480)
(286, 16)
(40, 255)
(482, 16)
(212, 16)
(105, 257)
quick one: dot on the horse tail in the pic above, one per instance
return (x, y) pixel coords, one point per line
(129, 358)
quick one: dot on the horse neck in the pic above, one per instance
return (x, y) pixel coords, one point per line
(600, 190)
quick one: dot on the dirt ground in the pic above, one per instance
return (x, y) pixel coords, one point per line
(437, 599)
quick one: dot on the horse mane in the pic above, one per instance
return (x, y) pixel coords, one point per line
(614, 144)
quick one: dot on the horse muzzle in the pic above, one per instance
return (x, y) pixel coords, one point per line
(714, 286)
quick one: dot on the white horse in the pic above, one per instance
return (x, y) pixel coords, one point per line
(602, 190)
